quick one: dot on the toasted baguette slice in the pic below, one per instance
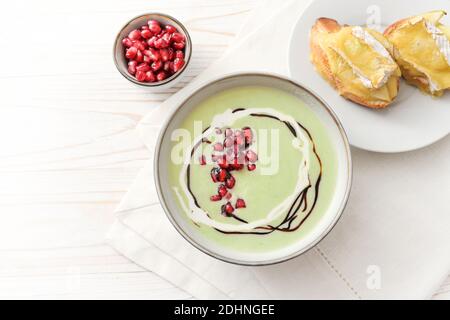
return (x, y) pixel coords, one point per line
(422, 50)
(356, 61)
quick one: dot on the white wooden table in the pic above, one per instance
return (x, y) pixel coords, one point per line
(68, 146)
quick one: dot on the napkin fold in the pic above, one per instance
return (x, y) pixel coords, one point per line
(393, 240)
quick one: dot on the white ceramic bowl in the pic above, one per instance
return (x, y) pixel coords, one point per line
(173, 210)
(119, 51)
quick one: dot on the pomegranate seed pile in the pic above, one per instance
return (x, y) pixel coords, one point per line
(154, 52)
(233, 154)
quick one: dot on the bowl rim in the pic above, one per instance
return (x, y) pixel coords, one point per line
(187, 237)
(172, 77)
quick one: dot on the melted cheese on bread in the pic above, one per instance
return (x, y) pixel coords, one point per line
(422, 50)
(369, 59)
(361, 64)
(348, 83)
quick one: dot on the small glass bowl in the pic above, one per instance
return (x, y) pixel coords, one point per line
(119, 51)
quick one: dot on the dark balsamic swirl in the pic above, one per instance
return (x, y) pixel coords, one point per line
(300, 205)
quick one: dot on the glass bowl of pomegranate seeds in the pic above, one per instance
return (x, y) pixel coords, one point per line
(153, 50)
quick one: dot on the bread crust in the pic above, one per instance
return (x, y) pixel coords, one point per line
(394, 27)
(320, 61)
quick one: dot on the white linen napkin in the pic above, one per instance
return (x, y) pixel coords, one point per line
(393, 240)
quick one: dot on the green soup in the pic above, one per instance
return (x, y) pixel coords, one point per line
(262, 203)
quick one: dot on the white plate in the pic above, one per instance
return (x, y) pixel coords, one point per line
(414, 120)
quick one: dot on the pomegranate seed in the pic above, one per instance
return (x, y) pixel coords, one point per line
(153, 54)
(178, 64)
(157, 65)
(228, 196)
(230, 182)
(146, 33)
(251, 167)
(227, 209)
(164, 53)
(150, 76)
(140, 76)
(157, 44)
(154, 26)
(177, 37)
(178, 45)
(240, 204)
(131, 70)
(229, 157)
(167, 37)
(228, 132)
(151, 41)
(230, 154)
(135, 35)
(166, 66)
(131, 53)
(170, 29)
(218, 146)
(222, 191)
(139, 57)
(239, 140)
(164, 43)
(171, 53)
(161, 43)
(228, 142)
(179, 54)
(147, 60)
(248, 134)
(251, 156)
(143, 67)
(216, 197)
(202, 160)
(223, 175)
(161, 76)
(145, 27)
(127, 42)
(218, 131)
(215, 174)
(132, 67)
(140, 45)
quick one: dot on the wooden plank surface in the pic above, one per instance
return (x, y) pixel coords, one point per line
(69, 150)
